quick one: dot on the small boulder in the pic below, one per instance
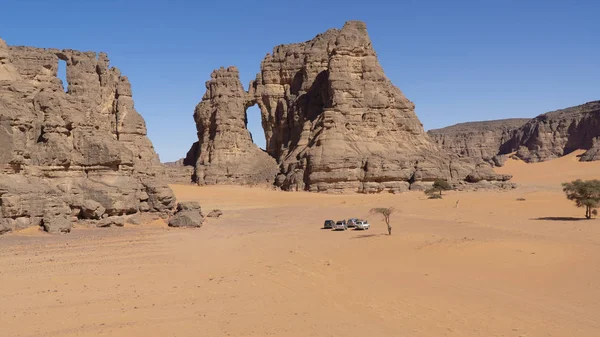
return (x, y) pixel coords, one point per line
(118, 221)
(215, 213)
(6, 225)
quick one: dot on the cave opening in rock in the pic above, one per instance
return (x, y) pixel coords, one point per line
(62, 73)
(254, 126)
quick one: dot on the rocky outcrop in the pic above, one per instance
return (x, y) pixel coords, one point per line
(478, 140)
(547, 136)
(226, 153)
(558, 133)
(71, 155)
(332, 121)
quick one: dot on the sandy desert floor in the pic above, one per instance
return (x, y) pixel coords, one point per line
(493, 266)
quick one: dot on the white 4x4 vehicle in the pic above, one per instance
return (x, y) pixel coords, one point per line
(340, 225)
(362, 224)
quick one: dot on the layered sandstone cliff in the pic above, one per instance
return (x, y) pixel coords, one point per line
(478, 140)
(558, 133)
(547, 136)
(332, 120)
(79, 155)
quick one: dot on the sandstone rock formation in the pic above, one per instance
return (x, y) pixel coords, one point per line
(189, 214)
(332, 121)
(226, 153)
(74, 155)
(478, 140)
(544, 137)
(559, 132)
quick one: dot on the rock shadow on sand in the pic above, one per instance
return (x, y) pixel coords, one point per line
(560, 218)
(364, 236)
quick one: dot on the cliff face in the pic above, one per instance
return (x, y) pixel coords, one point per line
(478, 140)
(557, 133)
(544, 137)
(62, 151)
(332, 121)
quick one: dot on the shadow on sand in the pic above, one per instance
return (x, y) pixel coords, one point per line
(560, 218)
(363, 236)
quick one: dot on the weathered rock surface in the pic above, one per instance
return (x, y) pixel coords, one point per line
(189, 214)
(332, 121)
(116, 221)
(558, 133)
(478, 140)
(82, 153)
(226, 153)
(91, 209)
(182, 170)
(547, 136)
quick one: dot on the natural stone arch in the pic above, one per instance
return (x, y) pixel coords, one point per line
(332, 119)
(226, 153)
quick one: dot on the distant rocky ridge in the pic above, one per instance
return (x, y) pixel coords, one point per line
(478, 140)
(547, 136)
(75, 156)
(333, 122)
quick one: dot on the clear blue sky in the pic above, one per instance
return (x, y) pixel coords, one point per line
(457, 60)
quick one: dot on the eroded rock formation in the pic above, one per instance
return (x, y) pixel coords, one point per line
(332, 121)
(74, 155)
(559, 132)
(226, 153)
(547, 136)
(478, 140)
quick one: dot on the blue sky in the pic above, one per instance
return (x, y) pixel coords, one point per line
(457, 60)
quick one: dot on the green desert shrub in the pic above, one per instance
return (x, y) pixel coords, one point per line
(585, 193)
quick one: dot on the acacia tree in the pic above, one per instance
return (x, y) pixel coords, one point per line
(386, 213)
(585, 194)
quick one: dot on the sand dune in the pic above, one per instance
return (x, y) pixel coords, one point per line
(493, 266)
(551, 173)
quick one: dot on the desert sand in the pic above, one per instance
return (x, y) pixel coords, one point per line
(493, 266)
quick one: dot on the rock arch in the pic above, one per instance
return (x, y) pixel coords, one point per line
(332, 120)
(225, 151)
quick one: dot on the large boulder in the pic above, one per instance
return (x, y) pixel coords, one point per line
(189, 214)
(92, 210)
(57, 218)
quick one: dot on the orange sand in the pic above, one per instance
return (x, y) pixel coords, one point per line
(490, 267)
